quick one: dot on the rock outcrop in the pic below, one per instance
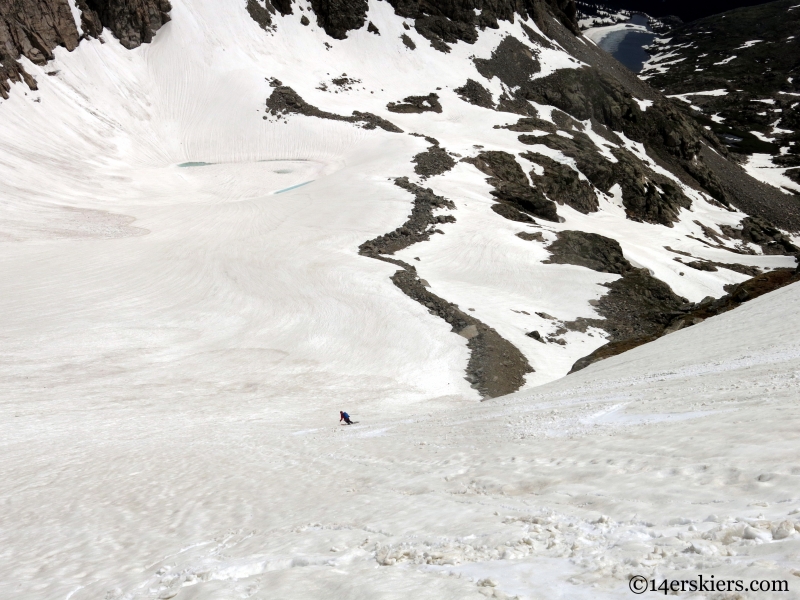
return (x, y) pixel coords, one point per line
(589, 250)
(133, 22)
(512, 62)
(337, 17)
(420, 225)
(647, 195)
(772, 241)
(34, 28)
(474, 93)
(496, 366)
(637, 304)
(434, 161)
(444, 23)
(589, 94)
(688, 315)
(561, 183)
(512, 188)
(285, 101)
(416, 104)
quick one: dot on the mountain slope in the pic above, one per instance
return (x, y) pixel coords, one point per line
(204, 94)
(676, 459)
(738, 71)
(215, 240)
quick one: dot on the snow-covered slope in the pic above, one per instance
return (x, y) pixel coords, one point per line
(673, 460)
(185, 308)
(109, 239)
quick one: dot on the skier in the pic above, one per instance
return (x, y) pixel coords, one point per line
(343, 416)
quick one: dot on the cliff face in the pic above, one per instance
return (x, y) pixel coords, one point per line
(443, 22)
(34, 28)
(449, 22)
(133, 22)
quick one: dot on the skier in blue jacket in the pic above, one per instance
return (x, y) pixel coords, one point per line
(343, 416)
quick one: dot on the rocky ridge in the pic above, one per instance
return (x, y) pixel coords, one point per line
(737, 75)
(496, 367)
(285, 101)
(639, 308)
(34, 28)
(689, 314)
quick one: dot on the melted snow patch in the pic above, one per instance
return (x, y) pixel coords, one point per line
(292, 187)
(763, 137)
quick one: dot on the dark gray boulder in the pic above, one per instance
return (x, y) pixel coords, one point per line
(416, 104)
(562, 184)
(511, 185)
(589, 250)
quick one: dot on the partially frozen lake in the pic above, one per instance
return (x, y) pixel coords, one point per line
(195, 164)
(293, 187)
(227, 180)
(626, 41)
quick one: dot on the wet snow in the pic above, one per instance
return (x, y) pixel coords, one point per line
(177, 343)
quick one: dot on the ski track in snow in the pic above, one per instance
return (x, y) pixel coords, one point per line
(177, 342)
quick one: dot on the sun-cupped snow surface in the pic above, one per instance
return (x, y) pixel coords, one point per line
(674, 460)
(184, 311)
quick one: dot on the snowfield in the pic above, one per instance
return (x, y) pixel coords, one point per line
(108, 169)
(184, 312)
(676, 459)
(762, 167)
